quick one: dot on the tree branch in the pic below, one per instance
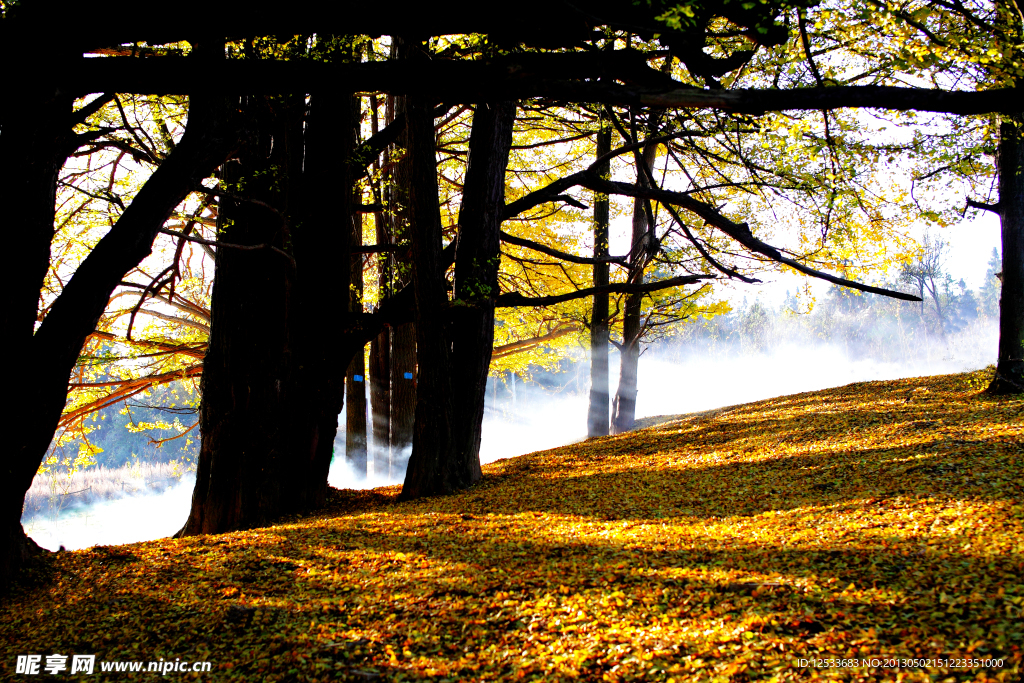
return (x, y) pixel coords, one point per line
(571, 258)
(513, 299)
(738, 231)
(525, 344)
(127, 388)
(972, 204)
(179, 321)
(565, 77)
(160, 442)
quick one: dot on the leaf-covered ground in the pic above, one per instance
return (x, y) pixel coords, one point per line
(878, 520)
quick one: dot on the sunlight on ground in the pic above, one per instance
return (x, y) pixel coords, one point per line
(878, 520)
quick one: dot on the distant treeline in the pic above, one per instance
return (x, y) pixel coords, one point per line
(867, 325)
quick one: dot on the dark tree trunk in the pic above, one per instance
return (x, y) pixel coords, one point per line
(380, 346)
(433, 450)
(624, 410)
(1009, 377)
(53, 350)
(355, 414)
(32, 151)
(355, 378)
(322, 250)
(477, 257)
(272, 375)
(402, 356)
(250, 385)
(597, 415)
(403, 388)
(380, 402)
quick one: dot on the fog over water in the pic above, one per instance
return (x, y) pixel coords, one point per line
(522, 418)
(124, 520)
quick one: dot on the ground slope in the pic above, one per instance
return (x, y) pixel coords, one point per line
(879, 520)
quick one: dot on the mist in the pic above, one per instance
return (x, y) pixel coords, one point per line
(681, 376)
(675, 377)
(129, 519)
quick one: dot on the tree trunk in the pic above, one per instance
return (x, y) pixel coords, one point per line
(597, 415)
(380, 346)
(404, 384)
(1009, 377)
(403, 370)
(272, 374)
(380, 402)
(355, 414)
(433, 450)
(51, 353)
(624, 410)
(322, 251)
(32, 151)
(355, 378)
(250, 385)
(477, 257)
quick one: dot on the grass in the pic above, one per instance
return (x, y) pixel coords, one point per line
(96, 484)
(877, 520)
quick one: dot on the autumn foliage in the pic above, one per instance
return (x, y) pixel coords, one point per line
(880, 519)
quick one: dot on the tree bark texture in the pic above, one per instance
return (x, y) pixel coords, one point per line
(597, 414)
(355, 414)
(433, 451)
(51, 353)
(273, 372)
(624, 409)
(404, 371)
(401, 413)
(33, 147)
(355, 378)
(380, 402)
(477, 257)
(380, 346)
(1009, 377)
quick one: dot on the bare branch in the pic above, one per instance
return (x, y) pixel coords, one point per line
(972, 204)
(160, 442)
(527, 344)
(513, 299)
(571, 258)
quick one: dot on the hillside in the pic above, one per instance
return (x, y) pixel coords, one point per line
(877, 520)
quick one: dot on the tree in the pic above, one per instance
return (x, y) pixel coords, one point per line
(269, 409)
(51, 352)
(393, 353)
(356, 446)
(926, 276)
(1010, 161)
(502, 75)
(990, 289)
(598, 417)
(973, 45)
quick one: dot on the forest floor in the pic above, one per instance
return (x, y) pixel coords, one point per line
(787, 539)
